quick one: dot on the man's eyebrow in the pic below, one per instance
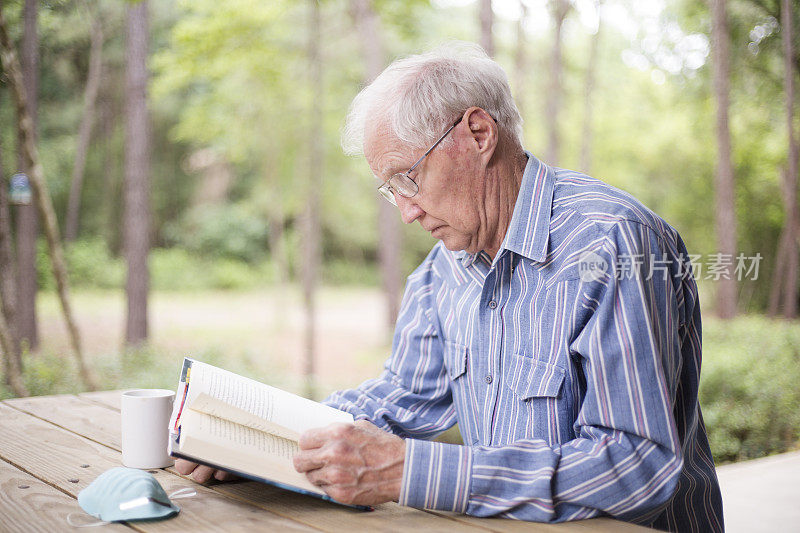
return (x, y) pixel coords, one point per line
(394, 168)
(387, 171)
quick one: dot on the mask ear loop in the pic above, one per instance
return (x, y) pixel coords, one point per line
(90, 524)
(187, 492)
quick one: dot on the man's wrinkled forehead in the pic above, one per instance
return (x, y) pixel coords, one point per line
(384, 152)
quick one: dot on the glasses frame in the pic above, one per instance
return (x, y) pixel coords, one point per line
(387, 190)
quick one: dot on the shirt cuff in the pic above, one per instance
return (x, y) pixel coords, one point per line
(436, 475)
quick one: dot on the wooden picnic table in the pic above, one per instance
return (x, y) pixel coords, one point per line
(52, 447)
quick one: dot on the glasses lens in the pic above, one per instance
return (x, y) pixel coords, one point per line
(386, 192)
(404, 185)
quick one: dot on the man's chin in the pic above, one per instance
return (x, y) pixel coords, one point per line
(453, 244)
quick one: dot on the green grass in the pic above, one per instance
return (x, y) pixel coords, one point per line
(750, 387)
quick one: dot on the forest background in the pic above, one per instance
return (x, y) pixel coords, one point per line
(205, 208)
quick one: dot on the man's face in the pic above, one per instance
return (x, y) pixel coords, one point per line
(449, 204)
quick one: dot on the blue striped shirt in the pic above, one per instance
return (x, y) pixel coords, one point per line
(571, 363)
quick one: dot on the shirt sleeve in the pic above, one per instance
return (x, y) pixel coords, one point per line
(626, 458)
(411, 398)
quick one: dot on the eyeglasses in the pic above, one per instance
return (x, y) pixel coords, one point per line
(402, 183)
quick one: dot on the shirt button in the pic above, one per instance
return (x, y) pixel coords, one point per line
(492, 305)
(488, 379)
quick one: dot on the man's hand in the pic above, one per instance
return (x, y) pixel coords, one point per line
(201, 473)
(357, 464)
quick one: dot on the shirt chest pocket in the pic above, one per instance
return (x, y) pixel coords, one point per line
(455, 359)
(537, 387)
(456, 362)
(531, 378)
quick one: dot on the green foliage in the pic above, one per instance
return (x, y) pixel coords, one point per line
(89, 263)
(48, 374)
(230, 231)
(144, 367)
(748, 391)
(91, 266)
(347, 272)
(175, 269)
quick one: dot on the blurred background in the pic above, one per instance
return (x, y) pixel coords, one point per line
(188, 152)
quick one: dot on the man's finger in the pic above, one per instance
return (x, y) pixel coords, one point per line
(184, 467)
(365, 424)
(313, 438)
(221, 475)
(306, 461)
(318, 477)
(202, 473)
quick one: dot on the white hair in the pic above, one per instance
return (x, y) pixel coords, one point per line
(420, 96)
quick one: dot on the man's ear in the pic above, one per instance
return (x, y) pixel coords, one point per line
(483, 130)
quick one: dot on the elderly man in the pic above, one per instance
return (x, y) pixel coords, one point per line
(556, 321)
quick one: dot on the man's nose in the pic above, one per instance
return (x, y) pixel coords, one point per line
(409, 210)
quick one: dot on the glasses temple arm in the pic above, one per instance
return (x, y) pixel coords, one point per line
(434, 146)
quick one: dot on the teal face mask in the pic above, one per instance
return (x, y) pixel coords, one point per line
(127, 494)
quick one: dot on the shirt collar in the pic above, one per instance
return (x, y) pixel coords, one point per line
(529, 231)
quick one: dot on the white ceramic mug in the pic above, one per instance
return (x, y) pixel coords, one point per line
(145, 428)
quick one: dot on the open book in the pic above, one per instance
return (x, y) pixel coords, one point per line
(250, 429)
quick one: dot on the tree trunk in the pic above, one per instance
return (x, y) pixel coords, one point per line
(487, 20)
(725, 196)
(12, 361)
(136, 211)
(591, 69)
(783, 292)
(311, 226)
(85, 132)
(276, 218)
(790, 186)
(559, 9)
(389, 236)
(13, 373)
(277, 245)
(41, 194)
(520, 67)
(27, 222)
(776, 290)
(111, 179)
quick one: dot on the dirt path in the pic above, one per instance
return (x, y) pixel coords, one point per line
(261, 328)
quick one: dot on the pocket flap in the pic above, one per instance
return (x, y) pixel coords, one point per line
(455, 358)
(533, 378)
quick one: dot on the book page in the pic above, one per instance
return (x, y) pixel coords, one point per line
(241, 438)
(214, 407)
(234, 446)
(280, 408)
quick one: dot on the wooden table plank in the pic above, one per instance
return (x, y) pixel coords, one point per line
(328, 516)
(594, 525)
(91, 420)
(57, 457)
(30, 505)
(110, 398)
